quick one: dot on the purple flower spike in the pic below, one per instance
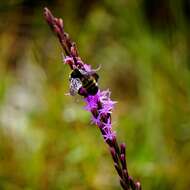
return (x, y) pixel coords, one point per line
(98, 103)
(87, 68)
(106, 108)
(104, 95)
(138, 185)
(68, 60)
(122, 147)
(92, 102)
(110, 135)
(96, 120)
(107, 125)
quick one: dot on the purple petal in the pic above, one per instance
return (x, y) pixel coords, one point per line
(87, 68)
(92, 102)
(95, 120)
(68, 60)
(109, 135)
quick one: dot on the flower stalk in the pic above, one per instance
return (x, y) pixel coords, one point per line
(99, 104)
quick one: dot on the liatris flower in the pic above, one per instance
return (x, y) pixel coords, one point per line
(84, 82)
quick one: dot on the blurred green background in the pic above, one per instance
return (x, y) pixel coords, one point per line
(46, 138)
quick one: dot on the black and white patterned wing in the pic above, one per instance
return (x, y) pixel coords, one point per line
(75, 85)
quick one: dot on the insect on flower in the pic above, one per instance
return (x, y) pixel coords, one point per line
(84, 83)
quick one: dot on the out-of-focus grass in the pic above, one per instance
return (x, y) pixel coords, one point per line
(46, 138)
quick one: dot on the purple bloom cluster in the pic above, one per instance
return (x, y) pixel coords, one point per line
(101, 107)
(100, 104)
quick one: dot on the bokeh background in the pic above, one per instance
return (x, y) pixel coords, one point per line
(46, 138)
